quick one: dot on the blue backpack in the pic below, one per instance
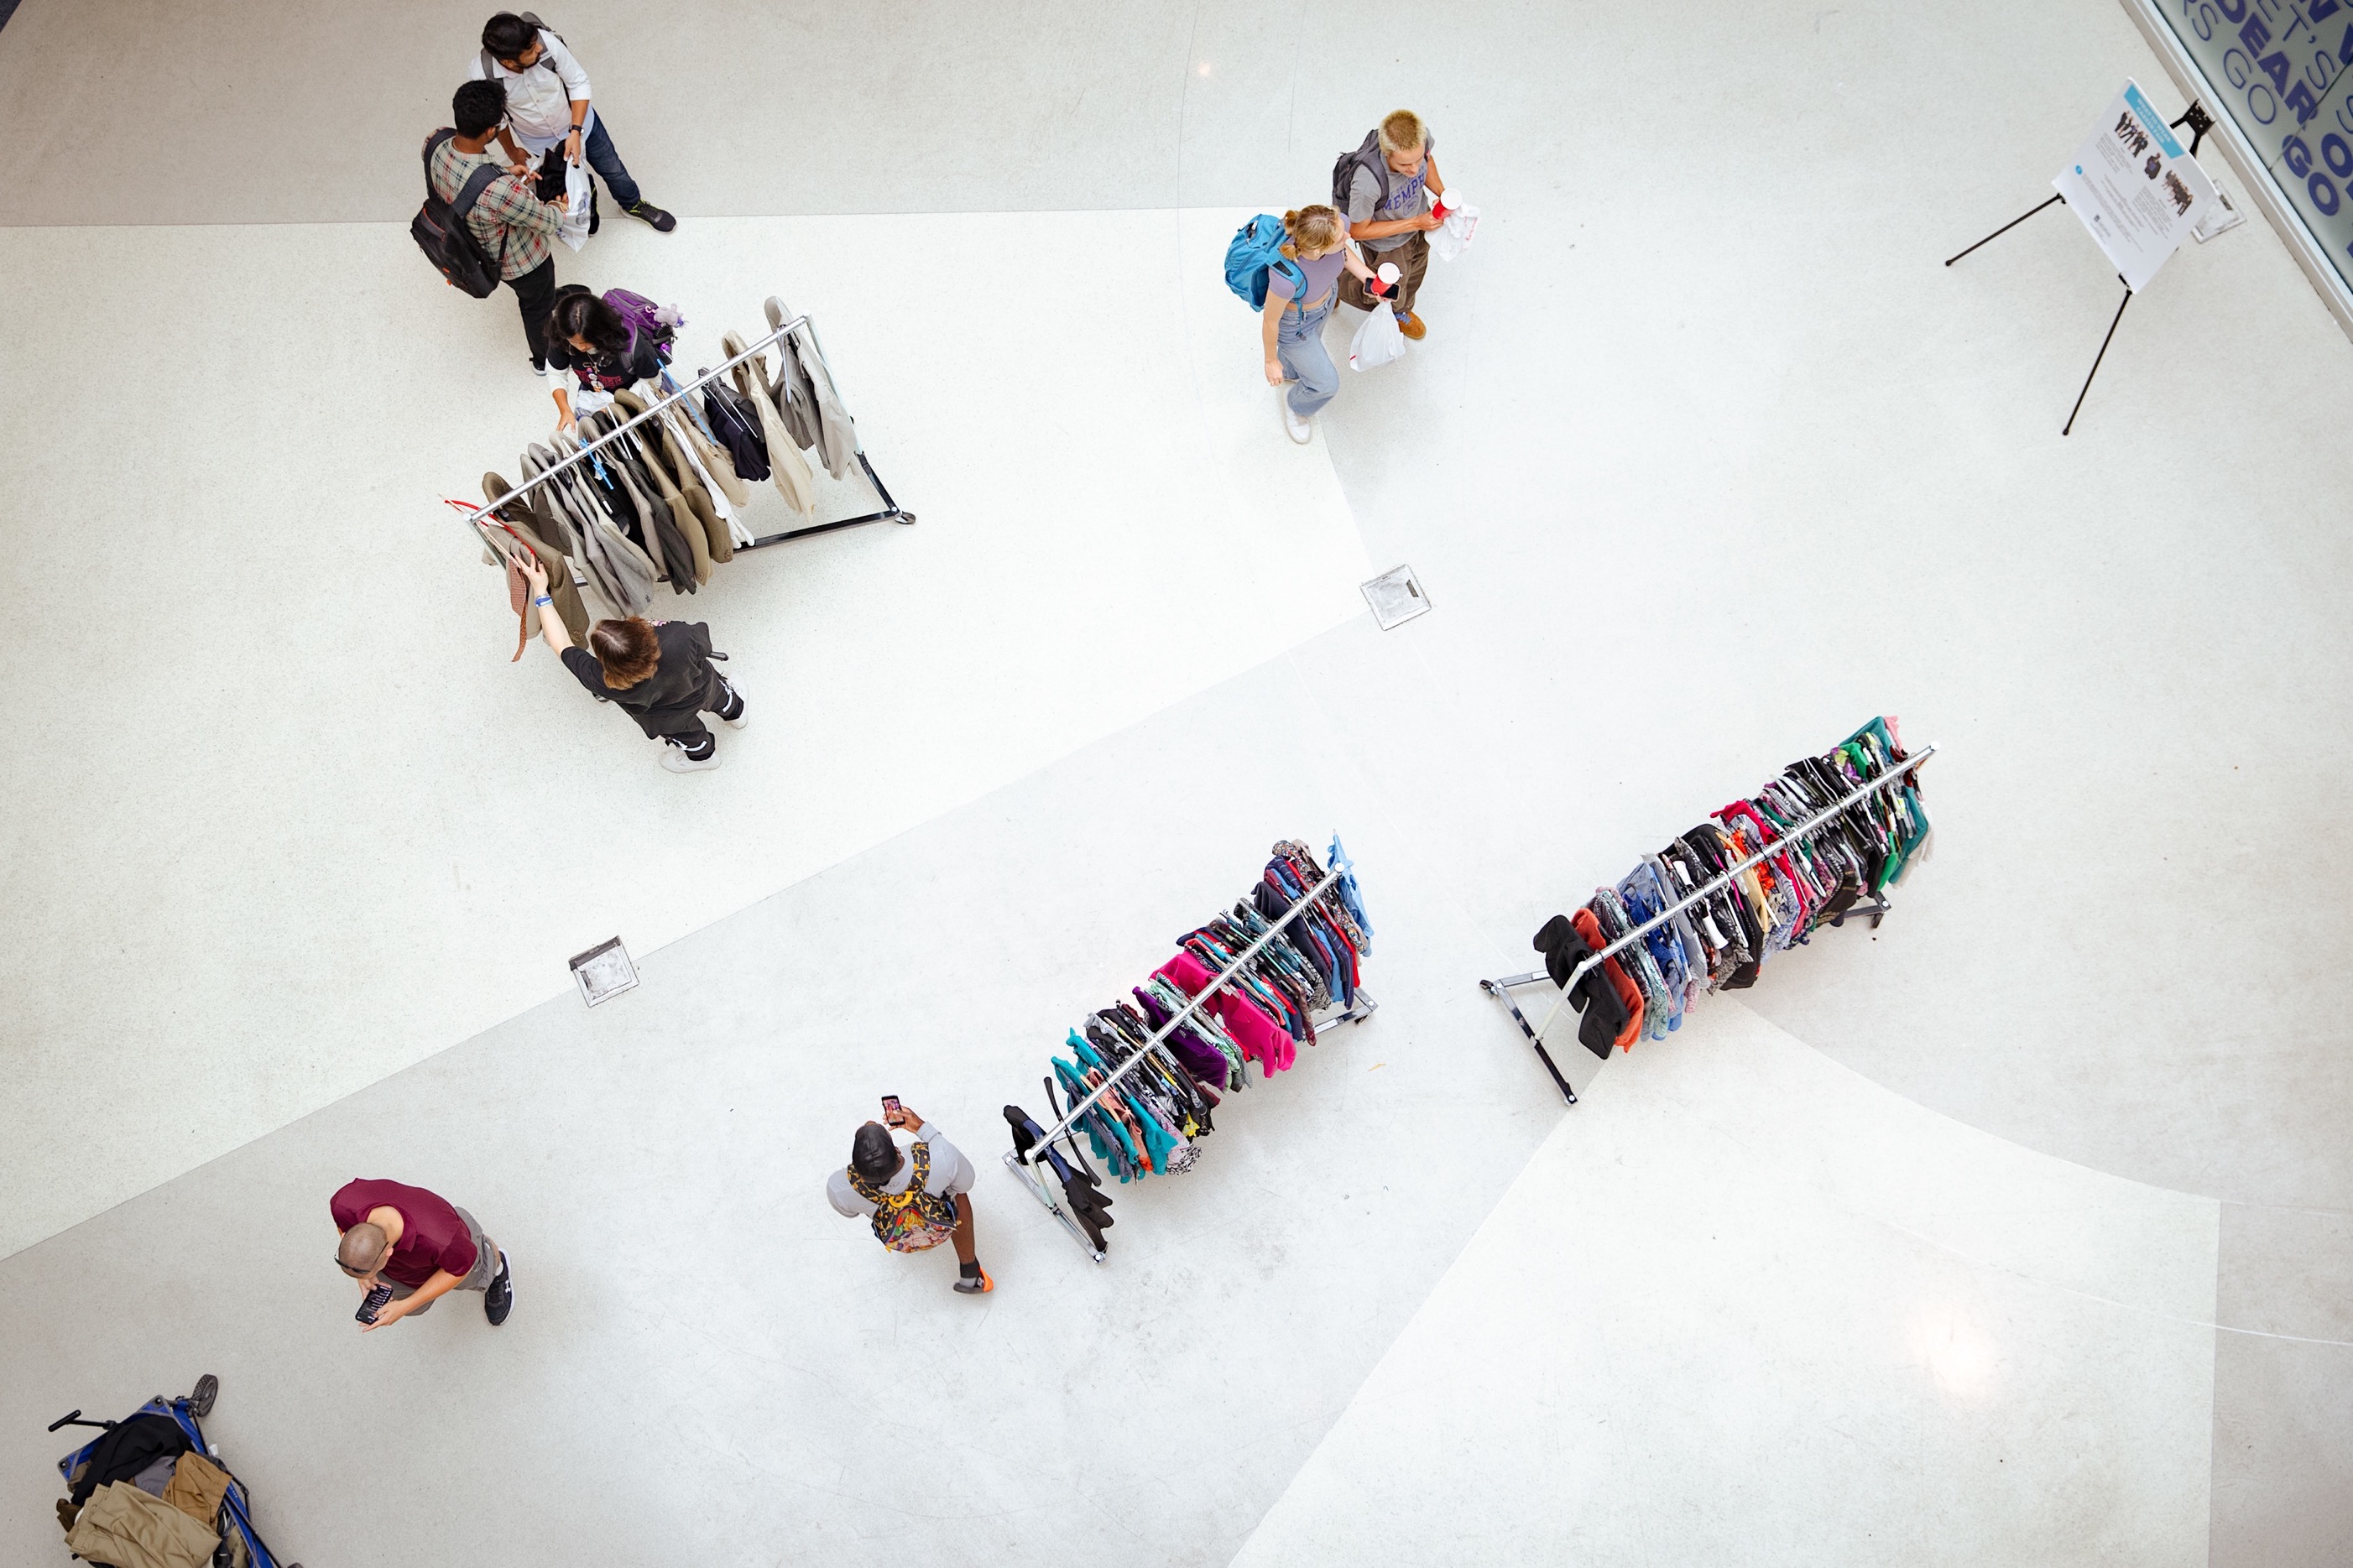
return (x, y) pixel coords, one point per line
(1258, 246)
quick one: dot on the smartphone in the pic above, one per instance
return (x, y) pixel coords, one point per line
(890, 1110)
(374, 1303)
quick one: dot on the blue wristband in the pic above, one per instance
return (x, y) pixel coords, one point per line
(542, 599)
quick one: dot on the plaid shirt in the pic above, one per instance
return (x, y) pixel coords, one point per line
(509, 213)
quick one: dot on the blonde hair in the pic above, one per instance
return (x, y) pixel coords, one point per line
(1314, 228)
(1404, 132)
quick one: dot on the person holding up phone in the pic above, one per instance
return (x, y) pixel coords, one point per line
(408, 1248)
(914, 1199)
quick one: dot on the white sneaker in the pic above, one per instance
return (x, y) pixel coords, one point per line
(740, 720)
(1300, 430)
(675, 759)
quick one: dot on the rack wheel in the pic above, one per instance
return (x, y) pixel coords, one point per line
(200, 1403)
(906, 517)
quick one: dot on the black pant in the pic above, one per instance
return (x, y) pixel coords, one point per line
(535, 296)
(697, 742)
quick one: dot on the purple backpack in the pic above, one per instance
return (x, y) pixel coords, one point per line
(644, 317)
(652, 330)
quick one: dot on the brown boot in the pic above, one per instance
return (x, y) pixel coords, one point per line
(1410, 325)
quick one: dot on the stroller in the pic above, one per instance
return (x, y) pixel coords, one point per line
(239, 1547)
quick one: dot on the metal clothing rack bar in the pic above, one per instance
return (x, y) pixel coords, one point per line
(1112, 1080)
(1806, 829)
(890, 512)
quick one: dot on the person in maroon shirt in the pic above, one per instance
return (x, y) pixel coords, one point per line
(420, 1245)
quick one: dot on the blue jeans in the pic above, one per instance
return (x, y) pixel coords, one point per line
(1299, 345)
(597, 148)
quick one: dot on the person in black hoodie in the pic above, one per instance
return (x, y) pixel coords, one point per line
(658, 672)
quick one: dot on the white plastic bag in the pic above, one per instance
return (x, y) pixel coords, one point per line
(577, 193)
(1378, 340)
(1453, 236)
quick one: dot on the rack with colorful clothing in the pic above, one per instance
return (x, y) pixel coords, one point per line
(1816, 847)
(1143, 1078)
(652, 490)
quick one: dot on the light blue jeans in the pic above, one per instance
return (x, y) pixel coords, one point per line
(1299, 345)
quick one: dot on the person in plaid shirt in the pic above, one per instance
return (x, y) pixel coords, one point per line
(510, 220)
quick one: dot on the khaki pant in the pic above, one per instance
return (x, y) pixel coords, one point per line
(1413, 260)
(478, 1278)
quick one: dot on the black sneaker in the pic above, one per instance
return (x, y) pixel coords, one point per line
(498, 1300)
(646, 212)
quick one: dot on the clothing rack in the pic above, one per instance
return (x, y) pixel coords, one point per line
(1023, 1164)
(1876, 910)
(891, 512)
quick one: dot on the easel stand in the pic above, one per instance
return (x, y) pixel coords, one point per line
(1875, 910)
(2067, 428)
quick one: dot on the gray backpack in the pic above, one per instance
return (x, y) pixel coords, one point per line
(1344, 174)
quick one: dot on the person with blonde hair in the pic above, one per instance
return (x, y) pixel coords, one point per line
(658, 672)
(1385, 187)
(1292, 322)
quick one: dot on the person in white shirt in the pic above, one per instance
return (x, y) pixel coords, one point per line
(548, 107)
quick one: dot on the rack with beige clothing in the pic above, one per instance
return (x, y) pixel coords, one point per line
(791, 471)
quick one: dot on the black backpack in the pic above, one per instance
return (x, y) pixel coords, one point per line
(440, 232)
(1368, 156)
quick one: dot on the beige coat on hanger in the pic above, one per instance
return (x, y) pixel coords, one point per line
(689, 497)
(785, 464)
(690, 522)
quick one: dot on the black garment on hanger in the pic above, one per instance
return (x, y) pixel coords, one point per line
(1604, 1015)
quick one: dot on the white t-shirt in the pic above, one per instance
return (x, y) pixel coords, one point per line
(537, 110)
(951, 1174)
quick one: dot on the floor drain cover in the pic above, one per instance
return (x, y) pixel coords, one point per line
(604, 971)
(1396, 597)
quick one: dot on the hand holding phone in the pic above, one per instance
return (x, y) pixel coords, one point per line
(891, 1115)
(374, 1303)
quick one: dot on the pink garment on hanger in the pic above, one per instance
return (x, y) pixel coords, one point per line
(1262, 1039)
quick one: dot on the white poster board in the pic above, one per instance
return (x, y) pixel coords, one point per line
(2137, 190)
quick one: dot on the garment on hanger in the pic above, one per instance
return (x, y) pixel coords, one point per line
(710, 507)
(654, 471)
(680, 485)
(710, 451)
(1737, 915)
(735, 426)
(1082, 1195)
(657, 529)
(837, 437)
(515, 521)
(620, 573)
(1603, 1017)
(786, 466)
(793, 392)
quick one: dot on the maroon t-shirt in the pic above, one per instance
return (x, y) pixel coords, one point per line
(432, 1234)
